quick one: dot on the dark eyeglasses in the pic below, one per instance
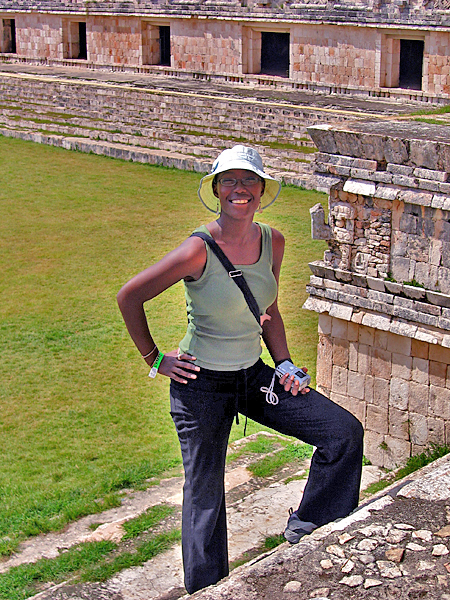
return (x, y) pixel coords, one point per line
(246, 181)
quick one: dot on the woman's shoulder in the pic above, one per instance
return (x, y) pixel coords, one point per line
(275, 235)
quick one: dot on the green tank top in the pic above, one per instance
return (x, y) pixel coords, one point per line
(222, 333)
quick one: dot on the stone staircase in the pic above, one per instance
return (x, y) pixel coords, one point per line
(97, 115)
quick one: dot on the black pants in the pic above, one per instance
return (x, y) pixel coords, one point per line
(203, 412)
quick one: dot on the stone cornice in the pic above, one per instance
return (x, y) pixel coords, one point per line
(393, 14)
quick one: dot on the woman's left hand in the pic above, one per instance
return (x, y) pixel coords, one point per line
(292, 385)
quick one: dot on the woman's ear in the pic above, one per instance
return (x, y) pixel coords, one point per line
(214, 187)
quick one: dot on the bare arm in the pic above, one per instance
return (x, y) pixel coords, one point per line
(186, 261)
(274, 334)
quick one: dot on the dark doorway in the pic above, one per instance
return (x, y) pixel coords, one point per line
(275, 53)
(164, 45)
(411, 62)
(9, 36)
(83, 43)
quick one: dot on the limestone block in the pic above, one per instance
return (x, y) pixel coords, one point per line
(381, 392)
(355, 384)
(420, 370)
(373, 448)
(397, 453)
(340, 311)
(376, 321)
(352, 332)
(380, 339)
(401, 268)
(430, 186)
(431, 174)
(438, 374)
(401, 328)
(404, 181)
(319, 229)
(438, 298)
(339, 329)
(387, 192)
(363, 358)
(439, 402)
(418, 429)
(399, 344)
(366, 336)
(415, 196)
(401, 366)
(339, 380)
(397, 169)
(377, 419)
(436, 430)
(399, 394)
(325, 322)
(324, 361)
(424, 154)
(419, 349)
(395, 150)
(381, 363)
(359, 187)
(398, 423)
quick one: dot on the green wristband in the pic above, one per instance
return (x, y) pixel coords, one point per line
(155, 365)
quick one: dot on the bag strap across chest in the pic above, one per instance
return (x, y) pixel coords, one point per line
(236, 274)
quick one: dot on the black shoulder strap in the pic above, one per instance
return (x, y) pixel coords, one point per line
(234, 273)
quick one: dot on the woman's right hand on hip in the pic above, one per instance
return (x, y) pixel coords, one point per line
(179, 366)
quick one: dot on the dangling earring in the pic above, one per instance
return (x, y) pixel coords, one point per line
(217, 207)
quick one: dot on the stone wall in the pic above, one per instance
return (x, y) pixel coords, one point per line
(333, 48)
(383, 288)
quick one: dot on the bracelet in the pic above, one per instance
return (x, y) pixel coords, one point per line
(156, 364)
(151, 352)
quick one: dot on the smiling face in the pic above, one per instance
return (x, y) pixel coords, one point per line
(239, 198)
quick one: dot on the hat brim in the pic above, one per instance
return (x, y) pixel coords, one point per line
(209, 200)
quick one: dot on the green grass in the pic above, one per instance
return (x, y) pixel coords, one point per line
(148, 519)
(262, 445)
(414, 463)
(79, 418)
(95, 561)
(20, 582)
(268, 465)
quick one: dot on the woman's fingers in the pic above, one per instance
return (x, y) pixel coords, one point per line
(178, 366)
(291, 384)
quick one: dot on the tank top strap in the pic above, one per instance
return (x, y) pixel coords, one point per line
(266, 243)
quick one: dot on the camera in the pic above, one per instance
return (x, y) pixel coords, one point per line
(299, 375)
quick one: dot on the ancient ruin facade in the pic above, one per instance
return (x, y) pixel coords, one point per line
(398, 48)
(382, 290)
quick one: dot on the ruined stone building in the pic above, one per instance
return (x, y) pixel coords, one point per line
(382, 290)
(396, 48)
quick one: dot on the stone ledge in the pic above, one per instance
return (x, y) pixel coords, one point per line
(407, 321)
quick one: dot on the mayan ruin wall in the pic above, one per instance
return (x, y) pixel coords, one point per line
(382, 290)
(398, 49)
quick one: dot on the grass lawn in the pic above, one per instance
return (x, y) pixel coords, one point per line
(79, 418)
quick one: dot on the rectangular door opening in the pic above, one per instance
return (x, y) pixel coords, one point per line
(275, 53)
(164, 45)
(411, 63)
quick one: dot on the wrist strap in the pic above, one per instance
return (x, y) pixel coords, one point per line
(156, 364)
(235, 274)
(278, 362)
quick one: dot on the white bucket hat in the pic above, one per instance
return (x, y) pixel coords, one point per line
(238, 157)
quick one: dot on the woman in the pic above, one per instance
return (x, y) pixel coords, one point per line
(217, 371)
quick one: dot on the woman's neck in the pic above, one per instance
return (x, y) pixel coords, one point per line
(232, 231)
